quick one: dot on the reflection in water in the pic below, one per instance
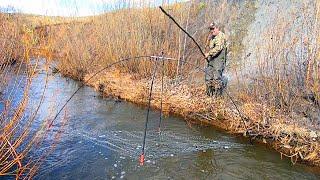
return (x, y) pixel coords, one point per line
(103, 139)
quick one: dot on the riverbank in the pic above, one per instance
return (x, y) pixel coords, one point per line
(290, 137)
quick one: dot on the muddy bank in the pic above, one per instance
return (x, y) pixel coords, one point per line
(290, 137)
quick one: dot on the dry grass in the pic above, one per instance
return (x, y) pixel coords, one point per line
(20, 131)
(81, 47)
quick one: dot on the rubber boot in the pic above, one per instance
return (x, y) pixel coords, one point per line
(210, 91)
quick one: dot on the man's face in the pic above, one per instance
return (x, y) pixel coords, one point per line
(214, 31)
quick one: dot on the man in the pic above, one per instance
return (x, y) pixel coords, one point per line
(216, 58)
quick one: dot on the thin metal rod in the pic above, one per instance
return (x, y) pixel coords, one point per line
(161, 98)
(148, 112)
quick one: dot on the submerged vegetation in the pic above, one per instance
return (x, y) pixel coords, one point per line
(273, 70)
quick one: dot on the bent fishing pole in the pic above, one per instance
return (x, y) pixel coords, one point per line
(243, 118)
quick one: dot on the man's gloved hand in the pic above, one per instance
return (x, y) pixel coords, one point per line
(207, 55)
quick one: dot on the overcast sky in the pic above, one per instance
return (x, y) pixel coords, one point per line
(70, 7)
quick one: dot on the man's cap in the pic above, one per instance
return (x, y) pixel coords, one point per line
(212, 25)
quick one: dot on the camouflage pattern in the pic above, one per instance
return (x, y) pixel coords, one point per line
(216, 65)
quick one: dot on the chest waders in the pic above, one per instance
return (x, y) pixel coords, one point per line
(215, 82)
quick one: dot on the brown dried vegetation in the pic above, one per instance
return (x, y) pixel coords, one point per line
(20, 130)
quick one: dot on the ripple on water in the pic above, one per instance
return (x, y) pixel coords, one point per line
(128, 143)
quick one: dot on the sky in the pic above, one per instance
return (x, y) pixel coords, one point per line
(71, 7)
